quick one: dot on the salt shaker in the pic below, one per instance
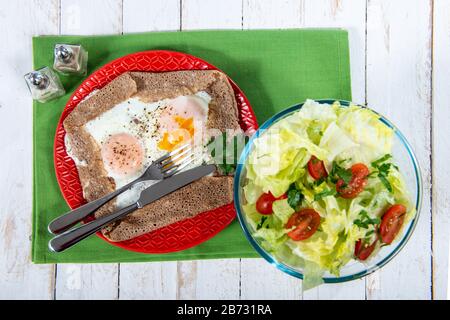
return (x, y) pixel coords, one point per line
(70, 59)
(44, 84)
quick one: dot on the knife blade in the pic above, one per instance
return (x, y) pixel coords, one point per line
(171, 184)
(148, 195)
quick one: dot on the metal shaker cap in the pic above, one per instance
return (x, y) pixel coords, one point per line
(63, 53)
(38, 80)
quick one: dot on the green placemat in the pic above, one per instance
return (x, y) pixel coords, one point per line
(274, 68)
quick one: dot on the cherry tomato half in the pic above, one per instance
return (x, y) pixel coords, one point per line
(391, 222)
(364, 250)
(316, 168)
(265, 201)
(306, 222)
(357, 182)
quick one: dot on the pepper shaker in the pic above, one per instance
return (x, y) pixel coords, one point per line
(70, 59)
(44, 84)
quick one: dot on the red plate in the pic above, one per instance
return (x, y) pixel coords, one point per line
(177, 236)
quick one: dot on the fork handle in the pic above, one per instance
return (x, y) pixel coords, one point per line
(73, 236)
(69, 219)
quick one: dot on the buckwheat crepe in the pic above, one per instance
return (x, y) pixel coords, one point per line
(205, 194)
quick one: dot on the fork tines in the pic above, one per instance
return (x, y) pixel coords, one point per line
(176, 160)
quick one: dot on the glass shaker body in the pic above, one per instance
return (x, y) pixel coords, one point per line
(44, 84)
(70, 59)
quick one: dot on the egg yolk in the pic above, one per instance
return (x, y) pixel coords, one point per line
(123, 154)
(182, 134)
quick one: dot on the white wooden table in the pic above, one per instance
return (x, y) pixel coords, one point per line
(400, 60)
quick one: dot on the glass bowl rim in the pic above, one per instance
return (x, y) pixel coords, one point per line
(289, 270)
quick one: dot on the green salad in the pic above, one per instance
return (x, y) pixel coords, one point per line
(322, 188)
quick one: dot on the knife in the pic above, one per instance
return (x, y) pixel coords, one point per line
(152, 193)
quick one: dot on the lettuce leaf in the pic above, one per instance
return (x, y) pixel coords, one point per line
(363, 126)
(282, 210)
(336, 141)
(279, 157)
(252, 192)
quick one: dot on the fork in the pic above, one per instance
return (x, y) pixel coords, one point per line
(162, 168)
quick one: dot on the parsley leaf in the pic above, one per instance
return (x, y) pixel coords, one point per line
(337, 172)
(385, 182)
(345, 175)
(261, 222)
(359, 223)
(372, 174)
(365, 221)
(319, 181)
(369, 233)
(324, 194)
(381, 160)
(383, 169)
(295, 197)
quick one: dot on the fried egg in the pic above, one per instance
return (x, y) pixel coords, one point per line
(133, 134)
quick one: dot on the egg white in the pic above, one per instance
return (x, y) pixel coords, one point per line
(141, 120)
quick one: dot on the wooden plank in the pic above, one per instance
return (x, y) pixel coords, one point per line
(149, 280)
(441, 148)
(398, 86)
(261, 280)
(156, 280)
(87, 282)
(351, 290)
(20, 20)
(86, 17)
(295, 14)
(187, 279)
(211, 14)
(211, 279)
(272, 14)
(312, 13)
(78, 281)
(154, 15)
(349, 15)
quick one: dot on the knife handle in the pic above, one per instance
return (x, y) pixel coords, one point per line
(71, 218)
(73, 236)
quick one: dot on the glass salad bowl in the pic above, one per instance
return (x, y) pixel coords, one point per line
(403, 156)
